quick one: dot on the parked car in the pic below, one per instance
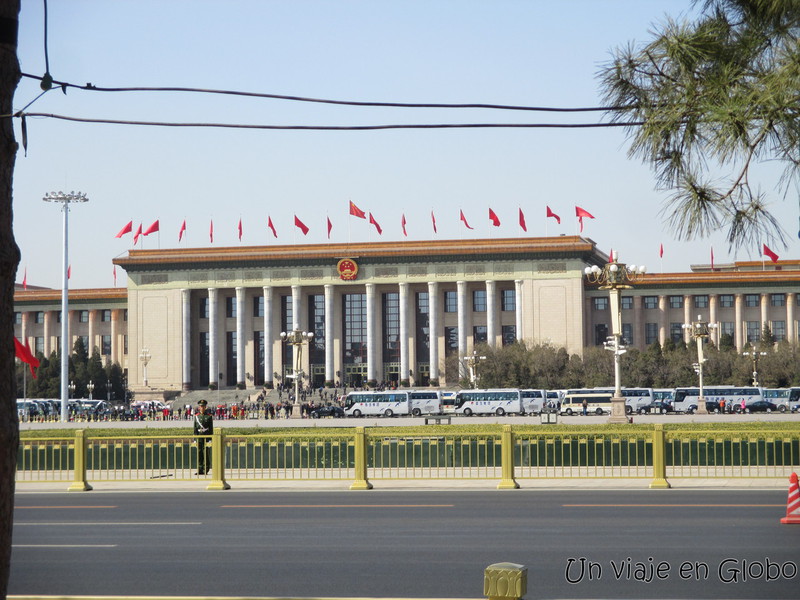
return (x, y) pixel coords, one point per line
(760, 406)
(711, 407)
(329, 410)
(658, 407)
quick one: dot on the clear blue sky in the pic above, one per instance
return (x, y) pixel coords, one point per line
(539, 53)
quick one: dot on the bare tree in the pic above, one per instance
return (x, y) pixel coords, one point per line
(9, 260)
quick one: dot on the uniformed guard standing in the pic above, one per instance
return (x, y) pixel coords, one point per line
(203, 426)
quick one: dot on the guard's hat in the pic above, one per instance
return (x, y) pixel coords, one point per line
(202, 403)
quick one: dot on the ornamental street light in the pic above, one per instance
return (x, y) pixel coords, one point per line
(145, 357)
(65, 200)
(472, 364)
(108, 391)
(297, 338)
(615, 276)
(755, 354)
(90, 388)
(700, 330)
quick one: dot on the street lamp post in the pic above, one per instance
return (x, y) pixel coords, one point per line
(700, 330)
(65, 200)
(615, 276)
(472, 364)
(108, 391)
(145, 357)
(755, 354)
(90, 388)
(297, 338)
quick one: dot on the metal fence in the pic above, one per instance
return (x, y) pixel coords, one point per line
(379, 454)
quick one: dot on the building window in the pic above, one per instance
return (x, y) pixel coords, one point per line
(676, 332)
(203, 370)
(316, 317)
(450, 340)
(125, 345)
(777, 299)
(17, 318)
(355, 328)
(627, 333)
(58, 317)
(600, 303)
(287, 324)
(509, 334)
(230, 309)
(626, 302)
(83, 317)
(650, 333)
(38, 344)
(258, 306)
(752, 300)
(651, 302)
(450, 302)
(779, 330)
(85, 341)
(676, 301)
(202, 312)
(106, 342)
(391, 327)
(39, 317)
(230, 355)
(726, 300)
(600, 334)
(125, 315)
(258, 357)
(423, 324)
(727, 328)
(479, 300)
(105, 316)
(753, 331)
(701, 301)
(508, 300)
(479, 334)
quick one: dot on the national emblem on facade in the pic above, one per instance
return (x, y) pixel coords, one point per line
(347, 269)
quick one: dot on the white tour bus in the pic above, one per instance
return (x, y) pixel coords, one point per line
(598, 400)
(489, 402)
(385, 404)
(533, 401)
(785, 398)
(686, 398)
(425, 402)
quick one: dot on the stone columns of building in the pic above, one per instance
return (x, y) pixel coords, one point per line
(24, 332)
(330, 365)
(404, 332)
(688, 317)
(712, 318)
(662, 320)
(240, 338)
(491, 313)
(296, 295)
(434, 308)
(518, 301)
(269, 336)
(49, 317)
(791, 334)
(115, 345)
(186, 338)
(638, 322)
(764, 304)
(738, 324)
(213, 334)
(92, 331)
(461, 294)
(372, 350)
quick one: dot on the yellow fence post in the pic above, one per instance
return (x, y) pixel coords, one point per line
(218, 462)
(505, 581)
(79, 483)
(507, 460)
(659, 459)
(361, 482)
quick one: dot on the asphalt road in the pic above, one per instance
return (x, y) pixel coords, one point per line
(576, 544)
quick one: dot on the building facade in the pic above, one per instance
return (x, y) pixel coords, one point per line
(391, 312)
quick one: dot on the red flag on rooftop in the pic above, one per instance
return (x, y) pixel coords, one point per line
(240, 229)
(581, 213)
(271, 226)
(433, 221)
(23, 352)
(114, 273)
(494, 218)
(550, 213)
(302, 226)
(137, 234)
(374, 222)
(127, 229)
(712, 258)
(661, 251)
(25, 279)
(152, 229)
(463, 218)
(211, 232)
(357, 212)
(69, 272)
(330, 226)
(772, 256)
(182, 230)
(403, 225)
(522, 220)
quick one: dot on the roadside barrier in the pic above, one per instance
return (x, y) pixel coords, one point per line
(792, 502)
(379, 454)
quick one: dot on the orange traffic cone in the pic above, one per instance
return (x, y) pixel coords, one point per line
(793, 503)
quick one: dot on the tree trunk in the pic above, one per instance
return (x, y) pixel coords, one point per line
(9, 259)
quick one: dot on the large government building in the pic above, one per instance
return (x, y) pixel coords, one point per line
(385, 311)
